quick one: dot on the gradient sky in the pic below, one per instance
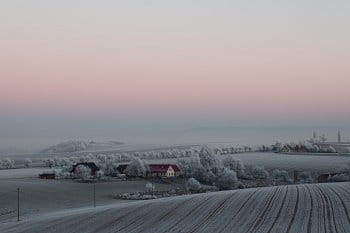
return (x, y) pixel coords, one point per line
(177, 63)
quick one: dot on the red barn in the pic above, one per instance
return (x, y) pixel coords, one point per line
(163, 170)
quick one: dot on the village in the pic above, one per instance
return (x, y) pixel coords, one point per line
(96, 180)
(318, 144)
(189, 175)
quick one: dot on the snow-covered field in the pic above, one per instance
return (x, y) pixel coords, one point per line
(39, 196)
(297, 209)
(317, 163)
(289, 162)
(20, 173)
(101, 149)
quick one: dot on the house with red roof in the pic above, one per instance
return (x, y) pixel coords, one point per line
(163, 170)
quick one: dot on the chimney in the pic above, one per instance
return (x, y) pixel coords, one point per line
(339, 137)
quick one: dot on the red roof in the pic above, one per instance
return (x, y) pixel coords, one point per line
(163, 167)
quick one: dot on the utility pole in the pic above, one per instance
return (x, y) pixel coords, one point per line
(94, 194)
(18, 204)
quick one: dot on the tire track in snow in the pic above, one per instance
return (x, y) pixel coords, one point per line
(333, 210)
(241, 207)
(330, 211)
(319, 212)
(189, 213)
(116, 220)
(342, 188)
(258, 205)
(342, 202)
(224, 213)
(326, 214)
(267, 207)
(341, 211)
(309, 223)
(312, 208)
(169, 213)
(68, 221)
(133, 224)
(340, 216)
(279, 211)
(136, 217)
(294, 211)
(210, 214)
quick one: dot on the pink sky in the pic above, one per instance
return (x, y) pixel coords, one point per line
(157, 59)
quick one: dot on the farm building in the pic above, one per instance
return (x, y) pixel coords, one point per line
(163, 170)
(121, 168)
(90, 165)
(50, 176)
(326, 177)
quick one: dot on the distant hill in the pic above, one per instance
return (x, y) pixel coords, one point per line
(77, 145)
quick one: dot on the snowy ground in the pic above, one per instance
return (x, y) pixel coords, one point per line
(123, 148)
(42, 196)
(289, 162)
(12, 174)
(284, 209)
(316, 163)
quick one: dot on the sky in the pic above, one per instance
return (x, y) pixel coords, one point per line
(67, 65)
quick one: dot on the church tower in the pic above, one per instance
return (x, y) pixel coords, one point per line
(339, 137)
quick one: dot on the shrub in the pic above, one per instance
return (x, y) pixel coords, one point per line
(190, 167)
(340, 178)
(100, 175)
(306, 177)
(49, 163)
(65, 175)
(235, 165)
(281, 175)
(227, 179)
(150, 187)
(136, 168)
(27, 162)
(259, 172)
(82, 172)
(209, 160)
(193, 185)
(7, 163)
(110, 168)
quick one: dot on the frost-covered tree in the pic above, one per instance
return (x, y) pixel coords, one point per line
(343, 177)
(64, 175)
(193, 185)
(49, 162)
(343, 174)
(209, 160)
(7, 163)
(28, 162)
(306, 177)
(110, 168)
(100, 175)
(281, 175)
(227, 179)
(331, 149)
(258, 172)
(150, 187)
(190, 167)
(82, 172)
(136, 168)
(235, 165)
